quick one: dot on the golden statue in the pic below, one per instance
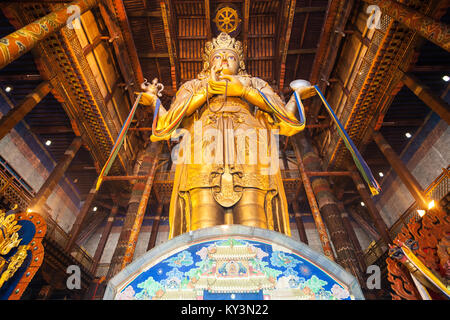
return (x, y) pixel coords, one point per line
(227, 170)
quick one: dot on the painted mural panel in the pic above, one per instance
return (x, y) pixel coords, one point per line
(233, 268)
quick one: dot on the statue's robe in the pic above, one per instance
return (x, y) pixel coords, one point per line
(228, 146)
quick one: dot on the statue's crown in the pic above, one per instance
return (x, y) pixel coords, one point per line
(223, 41)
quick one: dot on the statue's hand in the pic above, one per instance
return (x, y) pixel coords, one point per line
(148, 99)
(233, 88)
(306, 92)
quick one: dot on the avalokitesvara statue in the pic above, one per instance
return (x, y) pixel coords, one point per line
(227, 170)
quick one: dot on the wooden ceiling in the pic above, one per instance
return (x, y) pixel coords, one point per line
(170, 36)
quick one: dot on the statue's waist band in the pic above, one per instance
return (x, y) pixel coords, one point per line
(230, 104)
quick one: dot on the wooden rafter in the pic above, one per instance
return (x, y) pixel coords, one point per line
(167, 12)
(284, 35)
(245, 26)
(302, 39)
(158, 55)
(208, 19)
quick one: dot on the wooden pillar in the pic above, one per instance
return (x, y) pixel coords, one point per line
(76, 228)
(328, 207)
(363, 224)
(52, 181)
(422, 92)
(23, 40)
(373, 211)
(104, 238)
(299, 222)
(155, 227)
(353, 238)
(432, 30)
(401, 170)
(15, 115)
(321, 229)
(140, 193)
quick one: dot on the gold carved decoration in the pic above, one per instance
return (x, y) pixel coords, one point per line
(9, 239)
(227, 19)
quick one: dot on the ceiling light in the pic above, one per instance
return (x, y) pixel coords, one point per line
(431, 205)
(94, 209)
(48, 142)
(381, 174)
(362, 204)
(8, 88)
(421, 212)
(408, 135)
(446, 78)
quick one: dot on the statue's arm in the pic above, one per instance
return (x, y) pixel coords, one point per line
(268, 100)
(189, 98)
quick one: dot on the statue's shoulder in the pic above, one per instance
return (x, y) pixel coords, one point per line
(191, 85)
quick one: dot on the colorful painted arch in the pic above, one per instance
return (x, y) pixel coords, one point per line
(233, 262)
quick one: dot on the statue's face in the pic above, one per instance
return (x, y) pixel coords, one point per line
(226, 60)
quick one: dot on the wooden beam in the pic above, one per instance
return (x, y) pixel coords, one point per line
(432, 30)
(283, 45)
(152, 55)
(51, 129)
(403, 123)
(310, 9)
(171, 43)
(208, 19)
(15, 115)
(127, 39)
(430, 68)
(145, 14)
(23, 40)
(91, 46)
(20, 77)
(434, 102)
(245, 35)
(302, 51)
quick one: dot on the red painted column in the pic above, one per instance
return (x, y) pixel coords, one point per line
(23, 40)
(430, 29)
(126, 245)
(327, 205)
(320, 226)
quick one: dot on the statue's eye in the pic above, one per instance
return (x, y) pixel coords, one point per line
(217, 57)
(231, 58)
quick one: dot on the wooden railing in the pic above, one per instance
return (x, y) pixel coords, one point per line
(58, 235)
(437, 190)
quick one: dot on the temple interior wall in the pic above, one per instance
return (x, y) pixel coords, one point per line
(28, 157)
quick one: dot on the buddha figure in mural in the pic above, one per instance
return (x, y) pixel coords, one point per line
(227, 159)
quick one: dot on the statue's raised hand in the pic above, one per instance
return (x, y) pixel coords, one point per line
(151, 93)
(228, 84)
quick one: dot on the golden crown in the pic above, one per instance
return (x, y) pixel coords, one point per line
(223, 41)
